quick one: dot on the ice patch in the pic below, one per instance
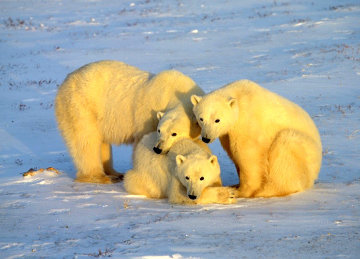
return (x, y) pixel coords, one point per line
(87, 205)
(13, 143)
(45, 182)
(175, 256)
(58, 211)
(260, 56)
(31, 100)
(199, 39)
(299, 24)
(206, 68)
(134, 196)
(9, 245)
(78, 197)
(84, 23)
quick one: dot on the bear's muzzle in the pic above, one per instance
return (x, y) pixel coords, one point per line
(157, 150)
(192, 197)
(206, 140)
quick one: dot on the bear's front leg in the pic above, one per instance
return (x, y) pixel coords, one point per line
(252, 166)
(221, 195)
(250, 182)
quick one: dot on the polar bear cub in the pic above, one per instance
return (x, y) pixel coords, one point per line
(176, 123)
(110, 102)
(273, 142)
(187, 174)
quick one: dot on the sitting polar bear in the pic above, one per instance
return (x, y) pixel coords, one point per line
(187, 174)
(109, 102)
(273, 143)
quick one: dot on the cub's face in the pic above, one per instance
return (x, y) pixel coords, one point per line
(171, 128)
(215, 115)
(196, 173)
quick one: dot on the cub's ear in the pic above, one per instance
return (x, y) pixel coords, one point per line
(232, 102)
(195, 99)
(159, 115)
(180, 159)
(213, 159)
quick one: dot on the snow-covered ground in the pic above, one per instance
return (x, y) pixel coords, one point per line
(308, 51)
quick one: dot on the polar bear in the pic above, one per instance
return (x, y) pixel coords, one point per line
(110, 102)
(273, 142)
(187, 174)
(176, 123)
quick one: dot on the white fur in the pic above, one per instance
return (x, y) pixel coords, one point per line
(109, 102)
(176, 123)
(273, 142)
(187, 170)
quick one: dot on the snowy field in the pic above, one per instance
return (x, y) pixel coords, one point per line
(307, 51)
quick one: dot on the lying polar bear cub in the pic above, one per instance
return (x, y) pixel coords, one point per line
(187, 174)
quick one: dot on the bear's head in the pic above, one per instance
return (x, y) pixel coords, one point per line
(174, 125)
(215, 114)
(196, 173)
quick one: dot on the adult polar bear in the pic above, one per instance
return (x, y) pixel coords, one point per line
(110, 102)
(273, 142)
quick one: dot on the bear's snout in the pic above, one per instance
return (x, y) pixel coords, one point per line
(192, 197)
(157, 150)
(206, 140)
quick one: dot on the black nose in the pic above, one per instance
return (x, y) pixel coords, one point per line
(193, 197)
(206, 140)
(157, 150)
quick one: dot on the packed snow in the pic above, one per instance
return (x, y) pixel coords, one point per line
(307, 51)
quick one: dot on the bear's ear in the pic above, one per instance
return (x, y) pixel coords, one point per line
(232, 102)
(159, 115)
(213, 159)
(180, 159)
(195, 99)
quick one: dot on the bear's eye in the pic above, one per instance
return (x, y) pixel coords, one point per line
(202, 178)
(158, 130)
(187, 178)
(217, 120)
(174, 134)
(201, 119)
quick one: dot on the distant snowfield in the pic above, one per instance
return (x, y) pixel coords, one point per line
(307, 51)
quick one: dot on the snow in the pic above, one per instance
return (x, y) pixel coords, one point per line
(307, 51)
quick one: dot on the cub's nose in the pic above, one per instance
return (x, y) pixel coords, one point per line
(206, 140)
(157, 150)
(193, 197)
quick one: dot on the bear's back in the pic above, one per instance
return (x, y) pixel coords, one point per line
(272, 108)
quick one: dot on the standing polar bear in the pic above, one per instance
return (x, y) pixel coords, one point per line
(187, 174)
(273, 143)
(110, 102)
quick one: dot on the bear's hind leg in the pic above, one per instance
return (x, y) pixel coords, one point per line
(85, 148)
(107, 161)
(294, 164)
(141, 183)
